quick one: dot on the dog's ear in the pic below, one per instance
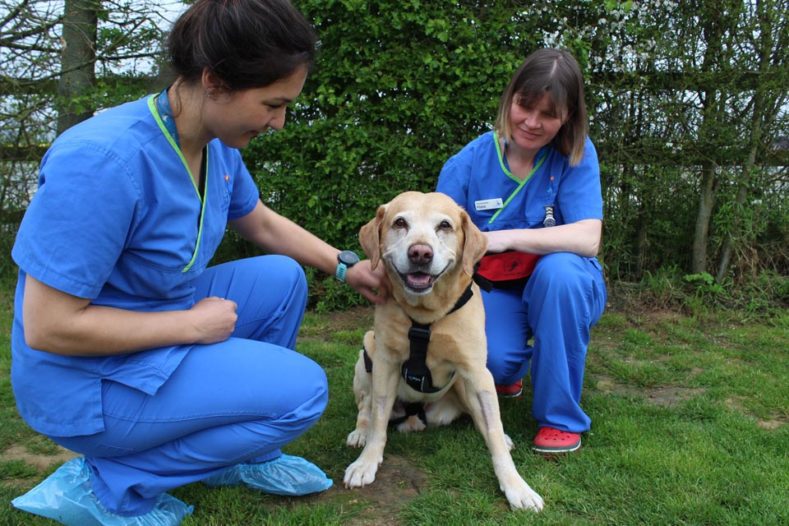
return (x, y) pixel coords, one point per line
(475, 244)
(370, 237)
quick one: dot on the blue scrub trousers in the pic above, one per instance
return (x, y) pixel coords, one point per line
(563, 298)
(237, 401)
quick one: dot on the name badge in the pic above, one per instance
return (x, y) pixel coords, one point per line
(488, 204)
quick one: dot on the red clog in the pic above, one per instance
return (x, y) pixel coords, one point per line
(510, 391)
(550, 440)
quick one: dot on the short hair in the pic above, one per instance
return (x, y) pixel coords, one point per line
(245, 43)
(555, 72)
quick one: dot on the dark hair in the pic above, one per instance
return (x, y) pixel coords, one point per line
(555, 72)
(245, 43)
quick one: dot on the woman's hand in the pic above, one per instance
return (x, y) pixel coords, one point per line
(499, 240)
(213, 319)
(368, 282)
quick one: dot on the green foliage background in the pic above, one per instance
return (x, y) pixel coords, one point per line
(401, 86)
(687, 104)
(395, 92)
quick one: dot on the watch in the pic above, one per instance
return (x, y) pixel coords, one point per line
(345, 260)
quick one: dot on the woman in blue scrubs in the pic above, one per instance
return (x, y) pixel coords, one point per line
(532, 185)
(127, 347)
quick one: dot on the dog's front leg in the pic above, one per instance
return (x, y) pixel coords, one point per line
(362, 390)
(385, 379)
(480, 394)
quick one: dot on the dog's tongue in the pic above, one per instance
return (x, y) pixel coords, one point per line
(418, 280)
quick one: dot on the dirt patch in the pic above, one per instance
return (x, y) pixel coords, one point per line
(337, 322)
(735, 403)
(770, 425)
(396, 483)
(668, 396)
(663, 396)
(352, 318)
(42, 462)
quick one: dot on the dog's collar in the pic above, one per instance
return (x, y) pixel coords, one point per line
(462, 300)
(483, 282)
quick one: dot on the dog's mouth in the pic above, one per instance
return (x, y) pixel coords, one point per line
(418, 281)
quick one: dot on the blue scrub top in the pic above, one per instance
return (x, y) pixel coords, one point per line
(478, 179)
(117, 219)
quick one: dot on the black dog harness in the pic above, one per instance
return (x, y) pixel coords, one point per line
(415, 371)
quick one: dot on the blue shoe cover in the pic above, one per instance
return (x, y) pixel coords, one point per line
(286, 475)
(66, 496)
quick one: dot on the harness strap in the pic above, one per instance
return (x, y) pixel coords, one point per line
(411, 408)
(415, 371)
(463, 299)
(483, 282)
(368, 362)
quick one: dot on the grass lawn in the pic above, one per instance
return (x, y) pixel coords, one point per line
(689, 427)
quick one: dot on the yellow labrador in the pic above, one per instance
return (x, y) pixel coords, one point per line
(428, 344)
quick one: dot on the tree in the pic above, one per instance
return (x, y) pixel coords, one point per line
(77, 75)
(767, 38)
(51, 53)
(28, 52)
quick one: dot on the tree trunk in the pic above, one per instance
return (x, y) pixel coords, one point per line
(707, 192)
(758, 118)
(78, 61)
(742, 192)
(711, 114)
(642, 241)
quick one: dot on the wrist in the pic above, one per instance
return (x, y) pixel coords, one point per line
(345, 260)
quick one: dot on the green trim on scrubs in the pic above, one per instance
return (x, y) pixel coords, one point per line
(177, 149)
(507, 171)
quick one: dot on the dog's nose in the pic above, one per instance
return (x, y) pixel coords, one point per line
(420, 254)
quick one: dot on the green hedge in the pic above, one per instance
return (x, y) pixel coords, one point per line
(399, 86)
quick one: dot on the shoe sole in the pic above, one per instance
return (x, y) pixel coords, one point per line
(510, 395)
(557, 450)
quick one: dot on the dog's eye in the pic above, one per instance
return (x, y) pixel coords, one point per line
(400, 223)
(445, 225)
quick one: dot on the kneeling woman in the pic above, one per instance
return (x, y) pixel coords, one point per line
(127, 347)
(532, 185)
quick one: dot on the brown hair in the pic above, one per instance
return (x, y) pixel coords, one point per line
(555, 72)
(245, 43)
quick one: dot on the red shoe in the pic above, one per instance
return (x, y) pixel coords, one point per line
(550, 440)
(510, 391)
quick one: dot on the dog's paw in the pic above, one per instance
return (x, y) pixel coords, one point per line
(356, 438)
(360, 473)
(522, 497)
(412, 423)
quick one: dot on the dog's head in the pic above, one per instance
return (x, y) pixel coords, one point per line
(421, 238)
